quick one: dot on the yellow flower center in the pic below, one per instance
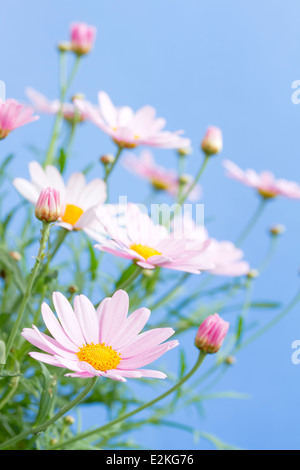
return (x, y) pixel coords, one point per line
(72, 214)
(159, 184)
(99, 356)
(267, 194)
(145, 251)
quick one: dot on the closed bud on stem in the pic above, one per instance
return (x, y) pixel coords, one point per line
(212, 142)
(184, 152)
(211, 334)
(107, 159)
(48, 207)
(15, 255)
(69, 420)
(82, 38)
(277, 230)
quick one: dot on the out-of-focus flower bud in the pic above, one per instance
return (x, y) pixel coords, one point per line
(213, 141)
(15, 255)
(230, 360)
(277, 229)
(69, 420)
(78, 96)
(64, 47)
(107, 159)
(253, 274)
(82, 38)
(185, 151)
(48, 207)
(211, 334)
(73, 289)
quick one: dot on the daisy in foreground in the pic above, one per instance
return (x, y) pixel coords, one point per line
(130, 129)
(150, 245)
(78, 198)
(105, 343)
(14, 115)
(265, 182)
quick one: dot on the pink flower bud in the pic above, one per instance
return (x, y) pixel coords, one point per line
(48, 207)
(211, 334)
(82, 38)
(213, 141)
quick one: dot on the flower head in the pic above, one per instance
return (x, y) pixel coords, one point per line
(14, 115)
(129, 129)
(211, 334)
(78, 199)
(212, 142)
(226, 257)
(82, 38)
(41, 104)
(160, 178)
(48, 206)
(150, 245)
(103, 342)
(265, 183)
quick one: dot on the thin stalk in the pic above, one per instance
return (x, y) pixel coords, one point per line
(110, 169)
(185, 195)
(31, 280)
(252, 222)
(65, 409)
(149, 404)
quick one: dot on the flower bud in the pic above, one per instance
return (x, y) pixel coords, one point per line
(69, 420)
(48, 207)
(15, 255)
(213, 141)
(82, 38)
(211, 334)
(277, 230)
(185, 151)
(107, 159)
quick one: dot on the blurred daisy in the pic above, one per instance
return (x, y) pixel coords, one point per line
(265, 183)
(150, 245)
(14, 115)
(78, 198)
(104, 343)
(226, 257)
(162, 179)
(42, 105)
(129, 129)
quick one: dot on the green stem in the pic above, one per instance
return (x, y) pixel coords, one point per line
(183, 198)
(172, 292)
(101, 429)
(32, 277)
(127, 282)
(110, 169)
(64, 87)
(65, 409)
(249, 227)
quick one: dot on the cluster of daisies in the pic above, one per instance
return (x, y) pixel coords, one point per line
(107, 341)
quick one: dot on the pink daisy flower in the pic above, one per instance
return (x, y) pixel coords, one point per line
(42, 105)
(265, 183)
(162, 179)
(14, 115)
(105, 342)
(150, 245)
(226, 257)
(129, 129)
(78, 198)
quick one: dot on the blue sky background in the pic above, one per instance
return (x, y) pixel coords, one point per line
(229, 64)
